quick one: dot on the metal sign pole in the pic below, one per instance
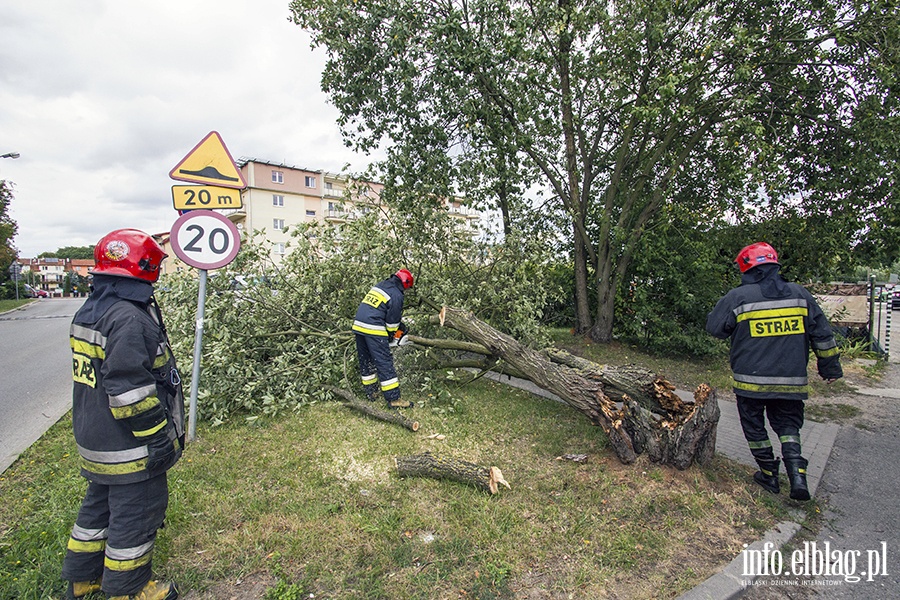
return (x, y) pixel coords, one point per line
(198, 346)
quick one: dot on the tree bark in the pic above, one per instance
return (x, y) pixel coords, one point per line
(639, 411)
(440, 467)
(584, 394)
(373, 411)
(650, 391)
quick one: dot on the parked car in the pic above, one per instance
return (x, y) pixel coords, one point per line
(33, 292)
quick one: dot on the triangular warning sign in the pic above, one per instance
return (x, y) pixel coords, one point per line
(209, 163)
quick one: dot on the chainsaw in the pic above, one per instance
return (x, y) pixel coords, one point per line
(399, 339)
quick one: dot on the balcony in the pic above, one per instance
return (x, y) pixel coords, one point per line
(339, 216)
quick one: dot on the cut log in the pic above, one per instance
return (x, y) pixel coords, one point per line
(639, 411)
(441, 467)
(369, 408)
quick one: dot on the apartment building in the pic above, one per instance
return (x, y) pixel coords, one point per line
(279, 196)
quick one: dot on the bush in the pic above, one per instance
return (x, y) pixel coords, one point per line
(279, 340)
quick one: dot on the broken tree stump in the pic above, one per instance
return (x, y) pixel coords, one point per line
(677, 439)
(368, 408)
(441, 467)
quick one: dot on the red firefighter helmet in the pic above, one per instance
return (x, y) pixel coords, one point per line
(128, 253)
(754, 255)
(406, 278)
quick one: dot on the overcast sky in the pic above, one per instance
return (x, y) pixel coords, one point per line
(102, 98)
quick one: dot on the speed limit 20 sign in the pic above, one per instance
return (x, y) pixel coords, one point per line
(205, 239)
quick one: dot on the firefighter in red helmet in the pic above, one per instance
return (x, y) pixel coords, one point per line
(128, 421)
(377, 321)
(772, 324)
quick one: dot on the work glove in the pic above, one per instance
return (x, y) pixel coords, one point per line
(160, 452)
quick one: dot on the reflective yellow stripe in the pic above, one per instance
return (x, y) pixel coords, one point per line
(753, 387)
(86, 348)
(151, 431)
(827, 353)
(162, 359)
(773, 313)
(390, 386)
(126, 565)
(125, 468)
(123, 412)
(79, 546)
(368, 331)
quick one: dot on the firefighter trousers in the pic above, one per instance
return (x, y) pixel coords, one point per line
(376, 365)
(114, 534)
(786, 419)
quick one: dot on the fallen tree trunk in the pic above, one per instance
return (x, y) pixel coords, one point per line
(368, 408)
(652, 392)
(639, 411)
(584, 394)
(647, 389)
(440, 467)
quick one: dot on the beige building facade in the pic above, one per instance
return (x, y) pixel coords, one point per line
(278, 197)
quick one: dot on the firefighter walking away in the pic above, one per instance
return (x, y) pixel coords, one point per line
(772, 325)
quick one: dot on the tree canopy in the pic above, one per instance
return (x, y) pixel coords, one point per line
(8, 228)
(77, 252)
(612, 113)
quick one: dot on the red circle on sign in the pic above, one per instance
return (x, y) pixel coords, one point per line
(205, 239)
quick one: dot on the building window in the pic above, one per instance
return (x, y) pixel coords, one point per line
(277, 177)
(328, 185)
(310, 181)
(277, 224)
(310, 213)
(277, 200)
(279, 248)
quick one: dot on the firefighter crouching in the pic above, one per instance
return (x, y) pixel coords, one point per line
(772, 325)
(128, 421)
(377, 321)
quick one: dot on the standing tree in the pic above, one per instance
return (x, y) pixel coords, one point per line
(616, 110)
(8, 228)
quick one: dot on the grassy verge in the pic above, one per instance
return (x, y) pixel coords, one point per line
(310, 504)
(6, 305)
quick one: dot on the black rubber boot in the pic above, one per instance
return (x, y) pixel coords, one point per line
(767, 476)
(796, 472)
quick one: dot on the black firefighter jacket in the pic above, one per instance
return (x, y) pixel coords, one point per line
(127, 392)
(772, 325)
(380, 311)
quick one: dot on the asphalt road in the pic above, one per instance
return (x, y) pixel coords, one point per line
(36, 387)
